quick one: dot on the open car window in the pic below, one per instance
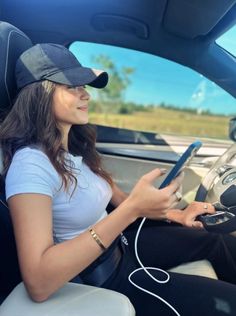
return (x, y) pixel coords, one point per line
(154, 95)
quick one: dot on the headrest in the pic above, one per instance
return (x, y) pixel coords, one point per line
(13, 43)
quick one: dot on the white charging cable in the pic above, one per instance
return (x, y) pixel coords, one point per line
(148, 273)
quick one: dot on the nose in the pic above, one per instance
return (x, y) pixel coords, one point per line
(85, 95)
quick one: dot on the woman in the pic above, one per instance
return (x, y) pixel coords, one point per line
(58, 191)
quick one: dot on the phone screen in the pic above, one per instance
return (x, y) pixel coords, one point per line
(181, 163)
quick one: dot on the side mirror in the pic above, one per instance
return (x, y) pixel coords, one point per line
(232, 129)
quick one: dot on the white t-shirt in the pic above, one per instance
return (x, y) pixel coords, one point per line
(32, 172)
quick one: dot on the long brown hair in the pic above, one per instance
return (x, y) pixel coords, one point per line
(31, 122)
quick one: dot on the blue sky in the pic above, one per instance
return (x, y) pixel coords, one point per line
(157, 80)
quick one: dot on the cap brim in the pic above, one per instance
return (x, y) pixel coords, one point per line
(80, 76)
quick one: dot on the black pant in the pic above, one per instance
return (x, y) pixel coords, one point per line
(165, 246)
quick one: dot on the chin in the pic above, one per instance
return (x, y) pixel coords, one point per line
(82, 122)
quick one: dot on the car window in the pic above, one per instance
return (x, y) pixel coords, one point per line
(152, 94)
(228, 40)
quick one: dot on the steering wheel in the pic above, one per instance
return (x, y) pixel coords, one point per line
(220, 168)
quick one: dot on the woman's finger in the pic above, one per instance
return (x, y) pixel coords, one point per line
(197, 224)
(175, 185)
(151, 176)
(203, 208)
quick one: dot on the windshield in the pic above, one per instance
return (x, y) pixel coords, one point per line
(153, 94)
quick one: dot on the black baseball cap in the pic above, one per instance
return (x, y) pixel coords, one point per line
(56, 63)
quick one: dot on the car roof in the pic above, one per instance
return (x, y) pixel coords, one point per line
(180, 30)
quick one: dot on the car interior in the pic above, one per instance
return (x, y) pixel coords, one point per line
(180, 31)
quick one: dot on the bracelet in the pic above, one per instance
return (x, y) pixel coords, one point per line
(97, 239)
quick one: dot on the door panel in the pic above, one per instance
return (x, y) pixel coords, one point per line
(126, 171)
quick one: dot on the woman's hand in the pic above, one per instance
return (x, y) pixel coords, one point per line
(145, 200)
(187, 217)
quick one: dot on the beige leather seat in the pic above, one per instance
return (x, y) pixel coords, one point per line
(201, 267)
(71, 300)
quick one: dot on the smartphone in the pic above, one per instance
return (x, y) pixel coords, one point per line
(181, 163)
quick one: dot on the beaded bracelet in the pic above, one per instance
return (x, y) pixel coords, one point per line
(97, 239)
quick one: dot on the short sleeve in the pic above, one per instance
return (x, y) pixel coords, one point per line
(31, 172)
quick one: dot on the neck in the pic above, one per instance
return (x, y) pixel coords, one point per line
(65, 133)
(65, 144)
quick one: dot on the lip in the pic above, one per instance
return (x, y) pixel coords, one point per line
(83, 108)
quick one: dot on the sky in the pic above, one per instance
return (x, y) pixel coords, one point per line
(157, 80)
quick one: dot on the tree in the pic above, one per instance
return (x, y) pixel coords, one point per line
(119, 81)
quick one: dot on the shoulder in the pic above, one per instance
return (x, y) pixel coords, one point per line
(31, 171)
(29, 153)
(32, 157)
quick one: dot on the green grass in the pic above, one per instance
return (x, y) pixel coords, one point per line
(167, 121)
